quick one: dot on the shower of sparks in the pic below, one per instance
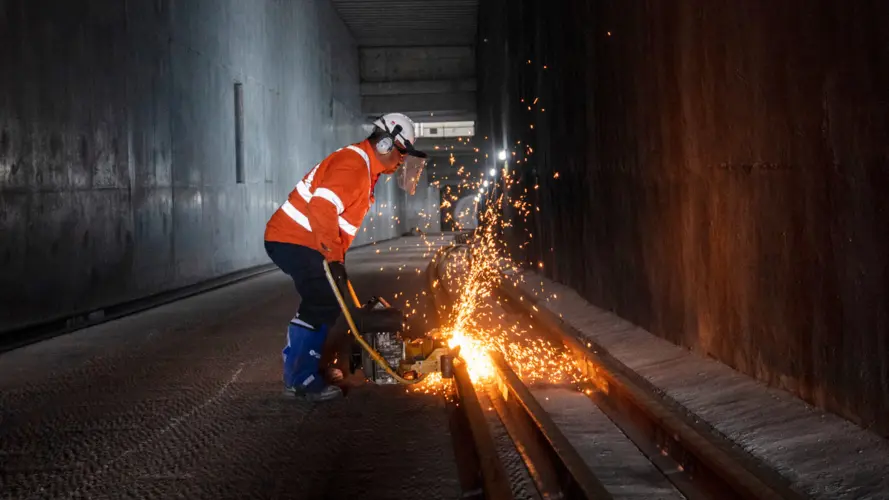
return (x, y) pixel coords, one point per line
(478, 325)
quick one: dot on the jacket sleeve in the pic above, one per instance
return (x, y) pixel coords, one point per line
(342, 184)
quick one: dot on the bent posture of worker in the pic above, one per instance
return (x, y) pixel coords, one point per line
(318, 222)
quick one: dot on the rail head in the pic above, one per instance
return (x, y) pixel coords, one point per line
(495, 480)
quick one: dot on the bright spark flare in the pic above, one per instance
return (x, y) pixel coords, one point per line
(478, 325)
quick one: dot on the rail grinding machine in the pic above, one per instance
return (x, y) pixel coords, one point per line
(387, 355)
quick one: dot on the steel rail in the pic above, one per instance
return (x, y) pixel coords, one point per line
(481, 466)
(495, 480)
(655, 424)
(577, 480)
(556, 468)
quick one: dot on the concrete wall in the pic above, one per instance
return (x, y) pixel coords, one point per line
(723, 175)
(117, 151)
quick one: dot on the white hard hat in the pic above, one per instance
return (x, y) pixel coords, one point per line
(400, 127)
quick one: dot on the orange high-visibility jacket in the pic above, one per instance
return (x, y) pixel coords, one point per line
(326, 208)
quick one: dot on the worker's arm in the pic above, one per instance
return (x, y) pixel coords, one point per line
(343, 182)
(324, 220)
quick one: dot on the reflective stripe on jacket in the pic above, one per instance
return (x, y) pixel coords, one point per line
(325, 209)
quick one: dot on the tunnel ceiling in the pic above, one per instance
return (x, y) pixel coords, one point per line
(385, 23)
(416, 56)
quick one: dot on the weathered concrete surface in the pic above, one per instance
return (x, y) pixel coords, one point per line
(117, 154)
(821, 454)
(723, 169)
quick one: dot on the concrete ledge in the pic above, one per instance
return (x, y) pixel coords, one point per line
(819, 453)
(29, 334)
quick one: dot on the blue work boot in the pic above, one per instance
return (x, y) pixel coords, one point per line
(302, 357)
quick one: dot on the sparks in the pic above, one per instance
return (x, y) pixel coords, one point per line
(478, 324)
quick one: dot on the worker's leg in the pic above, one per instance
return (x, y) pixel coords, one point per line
(308, 329)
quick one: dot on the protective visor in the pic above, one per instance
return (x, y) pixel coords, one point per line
(410, 170)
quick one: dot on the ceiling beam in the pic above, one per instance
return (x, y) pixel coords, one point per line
(418, 87)
(410, 22)
(392, 64)
(450, 102)
(440, 116)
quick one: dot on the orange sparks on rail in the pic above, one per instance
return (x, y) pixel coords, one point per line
(478, 325)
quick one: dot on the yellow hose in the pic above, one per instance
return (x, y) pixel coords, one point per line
(353, 294)
(355, 333)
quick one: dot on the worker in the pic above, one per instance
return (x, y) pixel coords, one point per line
(318, 222)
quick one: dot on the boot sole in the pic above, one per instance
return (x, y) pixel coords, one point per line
(313, 397)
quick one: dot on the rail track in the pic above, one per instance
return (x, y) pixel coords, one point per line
(613, 437)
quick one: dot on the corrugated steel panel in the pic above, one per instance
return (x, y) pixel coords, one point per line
(410, 22)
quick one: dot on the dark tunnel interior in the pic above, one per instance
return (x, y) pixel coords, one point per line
(713, 172)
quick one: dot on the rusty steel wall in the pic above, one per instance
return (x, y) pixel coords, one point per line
(723, 175)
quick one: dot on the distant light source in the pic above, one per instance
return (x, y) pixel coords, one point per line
(493, 172)
(501, 155)
(487, 183)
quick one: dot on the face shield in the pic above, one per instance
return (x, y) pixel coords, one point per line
(410, 170)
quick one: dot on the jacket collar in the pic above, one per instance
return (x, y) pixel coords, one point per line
(376, 168)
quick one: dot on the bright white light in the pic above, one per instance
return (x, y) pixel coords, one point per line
(477, 197)
(501, 155)
(493, 172)
(481, 190)
(487, 183)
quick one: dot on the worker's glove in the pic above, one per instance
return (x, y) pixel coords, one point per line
(332, 252)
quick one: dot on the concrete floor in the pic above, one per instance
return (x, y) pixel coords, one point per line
(185, 399)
